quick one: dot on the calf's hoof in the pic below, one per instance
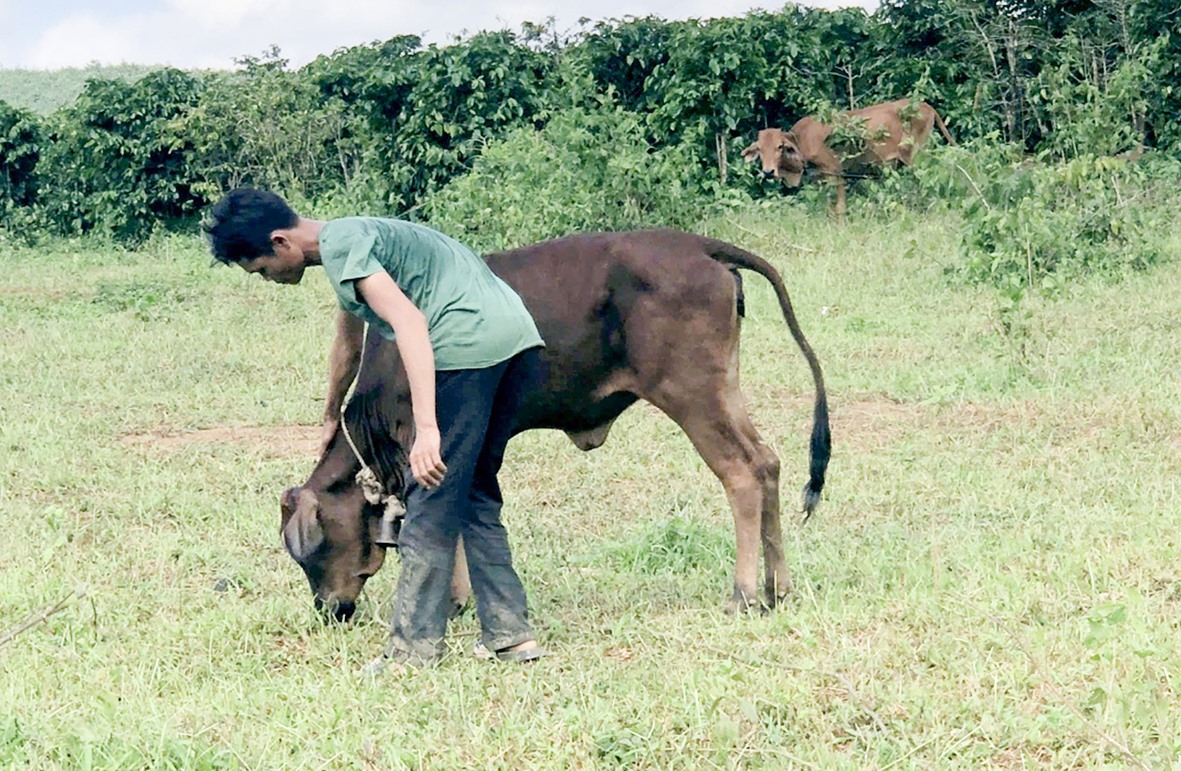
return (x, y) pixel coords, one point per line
(745, 602)
(777, 594)
(459, 606)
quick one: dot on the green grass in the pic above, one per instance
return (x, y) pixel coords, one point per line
(991, 580)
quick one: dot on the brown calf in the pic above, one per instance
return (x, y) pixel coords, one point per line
(893, 132)
(650, 315)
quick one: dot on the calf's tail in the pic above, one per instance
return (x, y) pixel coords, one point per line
(821, 446)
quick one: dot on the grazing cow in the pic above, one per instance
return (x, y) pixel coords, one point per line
(892, 132)
(650, 315)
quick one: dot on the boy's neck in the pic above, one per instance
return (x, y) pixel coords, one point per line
(306, 234)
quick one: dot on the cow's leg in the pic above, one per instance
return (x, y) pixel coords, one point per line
(777, 583)
(717, 424)
(839, 181)
(461, 581)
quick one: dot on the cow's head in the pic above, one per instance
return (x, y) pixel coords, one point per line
(328, 526)
(779, 152)
(331, 535)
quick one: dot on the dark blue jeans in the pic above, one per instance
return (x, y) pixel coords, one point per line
(476, 410)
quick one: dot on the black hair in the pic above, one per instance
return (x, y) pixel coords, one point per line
(240, 224)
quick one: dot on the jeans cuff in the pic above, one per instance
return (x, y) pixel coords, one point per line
(508, 640)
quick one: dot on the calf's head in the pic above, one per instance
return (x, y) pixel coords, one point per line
(331, 534)
(329, 528)
(779, 153)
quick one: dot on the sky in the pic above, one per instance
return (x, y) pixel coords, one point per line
(49, 34)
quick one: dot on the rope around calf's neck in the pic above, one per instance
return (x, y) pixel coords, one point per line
(371, 486)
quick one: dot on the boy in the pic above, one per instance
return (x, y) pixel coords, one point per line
(469, 347)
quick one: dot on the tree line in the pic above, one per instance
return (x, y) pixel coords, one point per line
(384, 127)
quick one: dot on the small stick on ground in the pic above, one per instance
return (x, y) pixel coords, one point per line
(38, 616)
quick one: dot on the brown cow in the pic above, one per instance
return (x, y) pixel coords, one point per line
(650, 315)
(893, 132)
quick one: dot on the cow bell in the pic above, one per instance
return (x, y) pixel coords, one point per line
(391, 523)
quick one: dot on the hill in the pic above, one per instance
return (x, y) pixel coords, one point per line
(43, 91)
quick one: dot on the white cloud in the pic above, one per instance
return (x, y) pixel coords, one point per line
(81, 39)
(217, 13)
(6, 18)
(211, 33)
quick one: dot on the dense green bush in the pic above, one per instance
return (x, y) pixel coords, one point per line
(1036, 223)
(267, 126)
(945, 176)
(586, 170)
(1040, 224)
(382, 127)
(20, 148)
(117, 160)
(430, 111)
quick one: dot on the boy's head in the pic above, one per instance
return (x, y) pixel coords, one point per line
(249, 227)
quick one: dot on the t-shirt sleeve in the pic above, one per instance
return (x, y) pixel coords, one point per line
(359, 264)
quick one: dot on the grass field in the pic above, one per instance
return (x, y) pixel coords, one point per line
(992, 579)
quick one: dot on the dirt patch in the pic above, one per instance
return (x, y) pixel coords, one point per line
(873, 423)
(870, 422)
(274, 441)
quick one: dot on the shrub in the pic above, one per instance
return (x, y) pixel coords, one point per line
(585, 170)
(1033, 224)
(1042, 224)
(20, 148)
(115, 161)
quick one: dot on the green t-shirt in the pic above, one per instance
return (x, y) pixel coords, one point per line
(475, 320)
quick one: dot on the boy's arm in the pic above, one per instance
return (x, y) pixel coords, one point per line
(342, 368)
(388, 301)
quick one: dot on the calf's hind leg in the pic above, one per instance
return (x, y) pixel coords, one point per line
(461, 581)
(720, 429)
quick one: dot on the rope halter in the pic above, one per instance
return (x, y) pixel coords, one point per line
(366, 478)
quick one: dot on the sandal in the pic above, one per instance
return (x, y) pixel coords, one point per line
(519, 656)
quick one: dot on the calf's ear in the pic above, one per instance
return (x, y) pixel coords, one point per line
(750, 153)
(287, 501)
(302, 534)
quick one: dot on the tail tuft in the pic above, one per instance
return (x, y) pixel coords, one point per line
(821, 451)
(811, 500)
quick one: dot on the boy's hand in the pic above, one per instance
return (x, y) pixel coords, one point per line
(426, 461)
